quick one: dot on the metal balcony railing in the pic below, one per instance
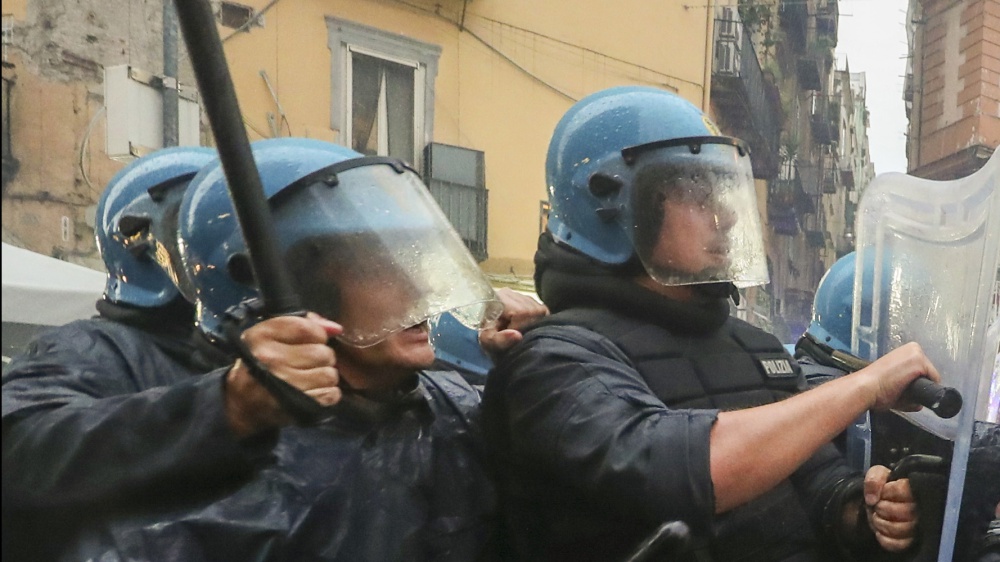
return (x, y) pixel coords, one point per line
(827, 14)
(824, 117)
(456, 177)
(831, 180)
(781, 210)
(794, 22)
(466, 208)
(748, 99)
(847, 173)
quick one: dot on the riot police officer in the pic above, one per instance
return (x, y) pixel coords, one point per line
(886, 438)
(640, 400)
(395, 473)
(102, 415)
(136, 436)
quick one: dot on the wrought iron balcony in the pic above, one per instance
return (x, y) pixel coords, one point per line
(908, 87)
(748, 102)
(795, 22)
(827, 14)
(831, 179)
(809, 69)
(816, 238)
(847, 174)
(781, 206)
(815, 62)
(456, 178)
(824, 117)
(811, 182)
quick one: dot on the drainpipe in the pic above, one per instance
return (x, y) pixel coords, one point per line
(706, 90)
(918, 94)
(170, 101)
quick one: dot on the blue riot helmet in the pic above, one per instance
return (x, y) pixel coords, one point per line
(639, 172)
(137, 224)
(456, 348)
(364, 242)
(833, 305)
(833, 313)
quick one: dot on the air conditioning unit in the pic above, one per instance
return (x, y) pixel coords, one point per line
(134, 107)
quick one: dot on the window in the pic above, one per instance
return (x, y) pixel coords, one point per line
(382, 94)
(382, 117)
(238, 16)
(456, 177)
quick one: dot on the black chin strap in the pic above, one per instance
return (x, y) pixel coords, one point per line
(721, 290)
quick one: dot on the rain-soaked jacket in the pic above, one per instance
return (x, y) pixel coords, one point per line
(115, 447)
(591, 459)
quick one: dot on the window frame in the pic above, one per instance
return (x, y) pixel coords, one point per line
(345, 37)
(419, 78)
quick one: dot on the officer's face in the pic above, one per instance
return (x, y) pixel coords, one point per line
(406, 350)
(370, 306)
(694, 235)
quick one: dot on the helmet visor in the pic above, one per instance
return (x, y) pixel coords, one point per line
(695, 216)
(369, 248)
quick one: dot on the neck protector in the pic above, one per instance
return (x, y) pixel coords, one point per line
(565, 279)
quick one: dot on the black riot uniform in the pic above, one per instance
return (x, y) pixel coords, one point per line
(657, 371)
(115, 447)
(104, 414)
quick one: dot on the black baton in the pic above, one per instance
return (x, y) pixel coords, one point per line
(944, 401)
(245, 189)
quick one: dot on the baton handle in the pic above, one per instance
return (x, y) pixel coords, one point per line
(944, 401)
(246, 191)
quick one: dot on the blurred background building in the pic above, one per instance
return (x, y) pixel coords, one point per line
(467, 90)
(952, 89)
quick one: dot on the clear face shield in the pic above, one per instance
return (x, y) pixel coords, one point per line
(369, 248)
(695, 216)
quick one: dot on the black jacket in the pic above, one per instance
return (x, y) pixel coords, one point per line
(115, 447)
(590, 459)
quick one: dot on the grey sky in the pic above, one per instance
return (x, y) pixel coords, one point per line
(872, 38)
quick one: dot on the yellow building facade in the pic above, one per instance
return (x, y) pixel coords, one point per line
(489, 76)
(469, 91)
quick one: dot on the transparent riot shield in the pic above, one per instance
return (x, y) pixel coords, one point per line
(935, 251)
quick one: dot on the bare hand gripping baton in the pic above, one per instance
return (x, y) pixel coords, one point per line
(245, 189)
(944, 401)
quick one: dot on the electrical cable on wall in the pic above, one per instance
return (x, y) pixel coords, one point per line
(86, 143)
(493, 48)
(243, 28)
(592, 52)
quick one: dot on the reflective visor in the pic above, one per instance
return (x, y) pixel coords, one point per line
(369, 248)
(695, 217)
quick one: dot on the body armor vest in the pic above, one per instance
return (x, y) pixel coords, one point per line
(737, 366)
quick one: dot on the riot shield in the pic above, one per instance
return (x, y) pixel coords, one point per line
(933, 248)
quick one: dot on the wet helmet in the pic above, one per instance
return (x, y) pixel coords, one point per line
(362, 239)
(833, 305)
(622, 159)
(136, 225)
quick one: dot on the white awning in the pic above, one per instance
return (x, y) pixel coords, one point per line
(46, 291)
